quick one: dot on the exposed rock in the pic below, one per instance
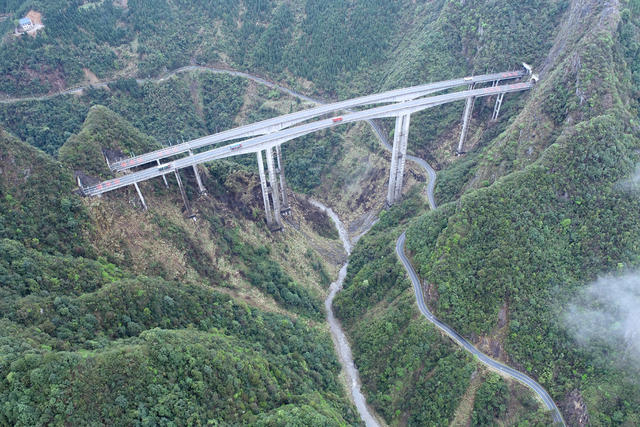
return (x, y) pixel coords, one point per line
(113, 155)
(574, 409)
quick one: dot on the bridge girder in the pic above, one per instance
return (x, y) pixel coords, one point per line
(274, 189)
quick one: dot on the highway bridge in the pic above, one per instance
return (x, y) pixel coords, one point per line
(268, 136)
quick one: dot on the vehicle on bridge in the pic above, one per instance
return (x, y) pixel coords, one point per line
(165, 167)
(337, 119)
(235, 147)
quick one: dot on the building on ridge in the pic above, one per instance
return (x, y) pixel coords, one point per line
(25, 24)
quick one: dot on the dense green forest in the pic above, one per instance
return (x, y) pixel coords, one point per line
(94, 325)
(178, 109)
(529, 242)
(533, 238)
(85, 340)
(307, 42)
(167, 111)
(425, 375)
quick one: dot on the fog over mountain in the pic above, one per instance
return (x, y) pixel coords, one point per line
(608, 312)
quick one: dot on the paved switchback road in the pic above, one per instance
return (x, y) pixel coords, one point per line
(400, 243)
(104, 83)
(504, 369)
(431, 172)
(493, 364)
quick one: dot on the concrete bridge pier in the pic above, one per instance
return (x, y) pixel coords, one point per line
(270, 188)
(496, 108)
(164, 177)
(183, 193)
(273, 187)
(265, 190)
(285, 209)
(398, 158)
(144, 205)
(468, 109)
(79, 182)
(201, 188)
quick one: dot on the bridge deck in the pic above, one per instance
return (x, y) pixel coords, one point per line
(281, 122)
(259, 143)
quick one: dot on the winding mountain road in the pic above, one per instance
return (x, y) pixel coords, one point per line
(458, 339)
(504, 369)
(500, 367)
(431, 173)
(103, 83)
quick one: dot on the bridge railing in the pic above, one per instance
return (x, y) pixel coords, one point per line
(281, 122)
(259, 143)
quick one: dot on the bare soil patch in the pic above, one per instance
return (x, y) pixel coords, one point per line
(90, 77)
(463, 413)
(36, 17)
(575, 409)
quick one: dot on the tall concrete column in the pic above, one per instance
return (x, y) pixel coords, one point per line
(183, 193)
(402, 155)
(398, 158)
(164, 176)
(496, 108)
(273, 183)
(201, 188)
(468, 108)
(391, 191)
(144, 205)
(265, 190)
(283, 184)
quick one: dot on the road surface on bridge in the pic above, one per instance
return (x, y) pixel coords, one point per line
(259, 143)
(282, 122)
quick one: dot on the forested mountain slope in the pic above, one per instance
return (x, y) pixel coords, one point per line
(116, 317)
(529, 217)
(542, 215)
